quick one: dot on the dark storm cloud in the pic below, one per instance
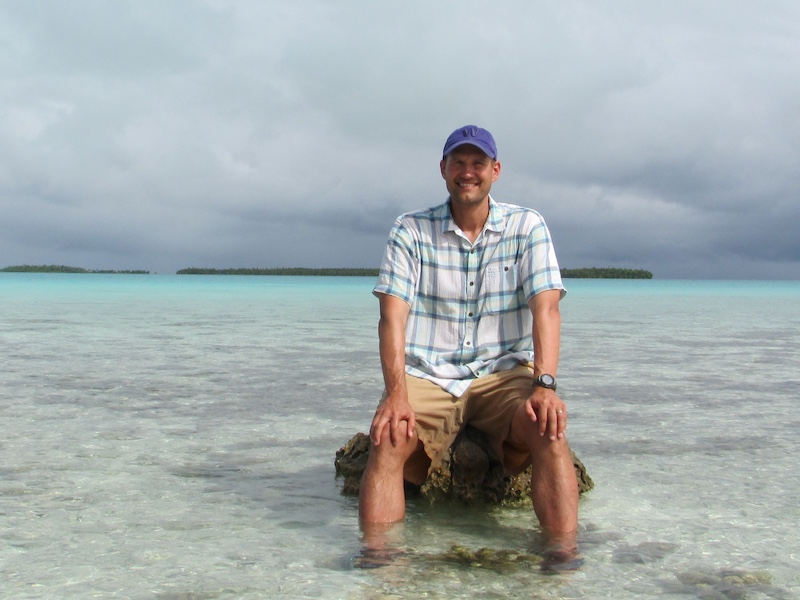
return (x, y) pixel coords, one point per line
(158, 135)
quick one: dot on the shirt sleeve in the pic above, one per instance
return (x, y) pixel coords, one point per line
(399, 271)
(540, 270)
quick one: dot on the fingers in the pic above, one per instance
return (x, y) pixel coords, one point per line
(551, 416)
(412, 425)
(531, 411)
(553, 422)
(376, 429)
(557, 422)
(379, 422)
(394, 435)
(393, 419)
(396, 430)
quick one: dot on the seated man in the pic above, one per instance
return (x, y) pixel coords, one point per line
(469, 333)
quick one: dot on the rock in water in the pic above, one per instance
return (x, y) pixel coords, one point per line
(470, 473)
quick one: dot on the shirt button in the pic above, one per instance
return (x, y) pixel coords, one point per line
(469, 343)
(472, 283)
(469, 314)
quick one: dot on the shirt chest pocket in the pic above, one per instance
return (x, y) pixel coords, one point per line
(499, 289)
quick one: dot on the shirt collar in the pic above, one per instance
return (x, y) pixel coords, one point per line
(495, 222)
(497, 217)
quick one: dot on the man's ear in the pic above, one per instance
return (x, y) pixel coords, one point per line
(441, 167)
(496, 171)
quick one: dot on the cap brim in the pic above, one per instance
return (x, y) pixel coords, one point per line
(480, 146)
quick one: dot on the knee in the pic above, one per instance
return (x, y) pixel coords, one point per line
(543, 446)
(394, 452)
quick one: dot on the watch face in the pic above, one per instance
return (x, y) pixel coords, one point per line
(547, 380)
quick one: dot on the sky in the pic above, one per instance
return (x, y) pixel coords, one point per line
(162, 134)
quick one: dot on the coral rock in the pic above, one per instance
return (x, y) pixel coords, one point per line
(470, 473)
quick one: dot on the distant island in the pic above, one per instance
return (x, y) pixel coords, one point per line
(340, 272)
(585, 273)
(606, 273)
(64, 269)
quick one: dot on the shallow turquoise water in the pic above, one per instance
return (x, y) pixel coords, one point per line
(173, 437)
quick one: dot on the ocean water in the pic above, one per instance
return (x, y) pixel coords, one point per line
(173, 437)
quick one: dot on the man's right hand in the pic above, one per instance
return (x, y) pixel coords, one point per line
(393, 410)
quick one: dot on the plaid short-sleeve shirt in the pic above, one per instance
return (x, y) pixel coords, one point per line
(469, 302)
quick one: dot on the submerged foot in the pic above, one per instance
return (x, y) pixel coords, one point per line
(560, 552)
(561, 560)
(382, 545)
(371, 558)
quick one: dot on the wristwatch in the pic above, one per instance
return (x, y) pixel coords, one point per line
(545, 380)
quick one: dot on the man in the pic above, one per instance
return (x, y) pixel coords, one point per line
(469, 332)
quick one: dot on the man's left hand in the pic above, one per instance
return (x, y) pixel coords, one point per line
(549, 411)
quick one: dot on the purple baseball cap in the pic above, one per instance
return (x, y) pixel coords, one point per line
(475, 136)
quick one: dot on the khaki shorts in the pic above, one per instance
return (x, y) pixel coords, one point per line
(488, 404)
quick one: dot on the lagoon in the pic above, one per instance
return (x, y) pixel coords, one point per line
(173, 437)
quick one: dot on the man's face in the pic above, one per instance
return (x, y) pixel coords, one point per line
(469, 174)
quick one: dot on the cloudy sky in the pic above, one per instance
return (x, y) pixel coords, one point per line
(161, 134)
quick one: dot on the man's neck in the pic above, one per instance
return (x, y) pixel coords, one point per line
(470, 218)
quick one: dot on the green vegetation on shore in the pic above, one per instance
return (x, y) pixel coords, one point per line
(586, 273)
(64, 269)
(606, 273)
(283, 271)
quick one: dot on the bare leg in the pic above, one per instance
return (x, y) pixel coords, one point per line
(554, 487)
(382, 495)
(554, 493)
(382, 502)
